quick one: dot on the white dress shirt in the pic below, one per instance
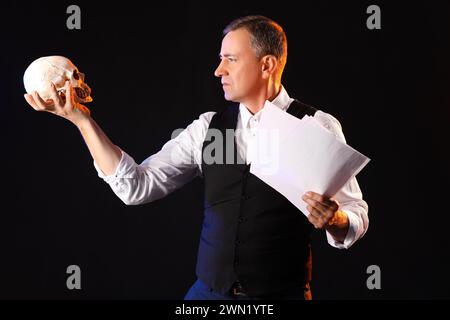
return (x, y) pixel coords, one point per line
(179, 161)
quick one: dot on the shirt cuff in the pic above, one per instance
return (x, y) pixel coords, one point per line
(350, 238)
(123, 170)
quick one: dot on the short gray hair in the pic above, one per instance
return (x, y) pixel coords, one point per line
(267, 36)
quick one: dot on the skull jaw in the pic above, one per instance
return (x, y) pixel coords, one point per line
(80, 96)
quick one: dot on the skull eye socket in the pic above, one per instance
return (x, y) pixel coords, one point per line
(76, 76)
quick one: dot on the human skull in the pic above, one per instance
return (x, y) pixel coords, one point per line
(58, 70)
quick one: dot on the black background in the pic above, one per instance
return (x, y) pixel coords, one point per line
(150, 66)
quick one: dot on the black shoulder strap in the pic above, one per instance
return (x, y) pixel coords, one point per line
(299, 109)
(225, 119)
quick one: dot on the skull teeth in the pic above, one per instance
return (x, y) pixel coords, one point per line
(80, 93)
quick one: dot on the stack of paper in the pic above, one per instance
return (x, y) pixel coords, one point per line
(294, 156)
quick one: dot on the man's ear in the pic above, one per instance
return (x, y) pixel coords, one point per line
(269, 65)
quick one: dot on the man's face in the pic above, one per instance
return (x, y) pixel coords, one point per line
(239, 68)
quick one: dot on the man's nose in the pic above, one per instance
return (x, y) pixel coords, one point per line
(220, 71)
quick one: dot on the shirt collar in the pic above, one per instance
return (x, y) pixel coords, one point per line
(282, 101)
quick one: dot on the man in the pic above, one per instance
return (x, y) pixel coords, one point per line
(254, 243)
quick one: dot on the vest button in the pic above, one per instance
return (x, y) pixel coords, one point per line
(245, 197)
(238, 242)
(241, 219)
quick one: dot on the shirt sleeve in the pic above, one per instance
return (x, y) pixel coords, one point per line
(177, 163)
(350, 197)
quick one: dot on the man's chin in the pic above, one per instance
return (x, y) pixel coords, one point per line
(230, 98)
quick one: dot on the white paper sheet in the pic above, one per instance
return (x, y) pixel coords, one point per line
(294, 156)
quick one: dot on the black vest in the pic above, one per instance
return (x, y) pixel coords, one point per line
(250, 231)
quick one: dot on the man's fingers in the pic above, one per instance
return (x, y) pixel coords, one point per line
(317, 205)
(69, 94)
(313, 211)
(43, 105)
(312, 219)
(317, 218)
(315, 196)
(315, 221)
(323, 200)
(322, 216)
(320, 198)
(321, 212)
(30, 100)
(55, 96)
(321, 208)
